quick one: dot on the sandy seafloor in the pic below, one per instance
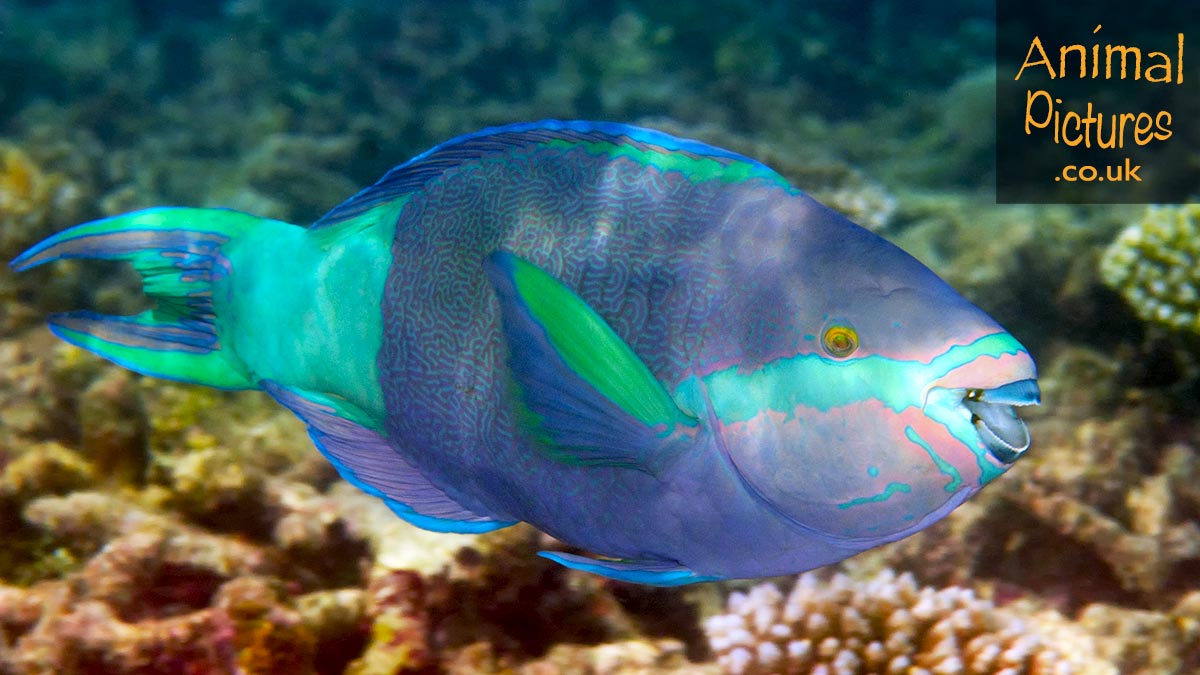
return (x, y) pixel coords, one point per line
(154, 527)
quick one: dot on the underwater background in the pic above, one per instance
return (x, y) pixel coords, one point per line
(153, 527)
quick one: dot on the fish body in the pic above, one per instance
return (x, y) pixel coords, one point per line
(655, 350)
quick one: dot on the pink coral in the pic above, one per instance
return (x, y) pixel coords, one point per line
(245, 631)
(160, 596)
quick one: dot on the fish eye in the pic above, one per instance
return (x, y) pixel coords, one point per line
(840, 341)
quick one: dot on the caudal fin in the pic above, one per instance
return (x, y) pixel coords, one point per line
(178, 252)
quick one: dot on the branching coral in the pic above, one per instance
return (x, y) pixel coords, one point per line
(1155, 264)
(885, 625)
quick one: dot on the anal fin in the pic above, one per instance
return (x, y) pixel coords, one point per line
(649, 572)
(363, 457)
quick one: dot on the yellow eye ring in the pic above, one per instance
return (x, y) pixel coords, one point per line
(840, 341)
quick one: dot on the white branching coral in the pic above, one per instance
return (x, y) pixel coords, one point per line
(887, 625)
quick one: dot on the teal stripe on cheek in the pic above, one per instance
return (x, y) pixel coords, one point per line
(891, 489)
(810, 380)
(945, 467)
(947, 416)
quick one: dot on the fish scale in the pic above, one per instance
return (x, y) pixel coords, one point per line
(656, 350)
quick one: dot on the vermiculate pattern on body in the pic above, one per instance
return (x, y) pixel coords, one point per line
(655, 350)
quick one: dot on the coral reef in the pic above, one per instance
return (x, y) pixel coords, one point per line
(1142, 538)
(1140, 642)
(398, 641)
(287, 133)
(154, 596)
(886, 625)
(1155, 265)
(44, 185)
(45, 468)
(1000, 258)
(246, 630)
(155, 527)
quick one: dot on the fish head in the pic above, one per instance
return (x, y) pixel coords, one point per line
(893, 400)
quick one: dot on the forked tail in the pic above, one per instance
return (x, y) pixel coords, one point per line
(178, 252)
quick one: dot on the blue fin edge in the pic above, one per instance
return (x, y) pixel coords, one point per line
(650, 573)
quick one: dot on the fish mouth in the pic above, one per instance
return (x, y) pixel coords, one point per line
(994, 415)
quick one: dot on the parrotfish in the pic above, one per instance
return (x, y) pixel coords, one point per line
(657, 351)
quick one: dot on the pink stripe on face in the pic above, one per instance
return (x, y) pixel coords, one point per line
(852, 471)
(986, 372)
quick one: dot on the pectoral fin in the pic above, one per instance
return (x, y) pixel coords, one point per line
(583, 395)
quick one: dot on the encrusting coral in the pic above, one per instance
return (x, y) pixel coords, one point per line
(1140, 642)
(885, 625)
(628, 657)
(1155, 265)
(158, 596)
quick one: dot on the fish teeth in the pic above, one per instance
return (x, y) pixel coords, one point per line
(1005, 435)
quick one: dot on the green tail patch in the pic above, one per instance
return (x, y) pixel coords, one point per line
(178, 253)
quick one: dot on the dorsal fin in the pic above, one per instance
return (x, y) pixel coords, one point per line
(414, 173)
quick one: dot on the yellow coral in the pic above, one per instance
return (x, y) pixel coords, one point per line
(884, 625)
(1155, 265)
(23, 186)
(174, 410)
(26, 196)
(45, 468)
(392, 648)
